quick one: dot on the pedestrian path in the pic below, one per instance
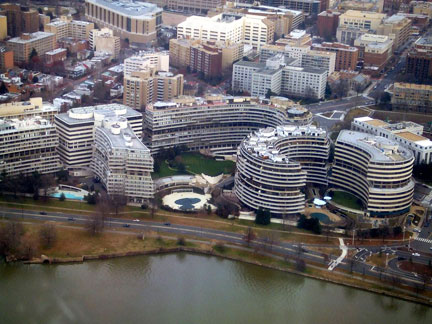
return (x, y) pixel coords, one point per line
(422, 239)
(336, 262)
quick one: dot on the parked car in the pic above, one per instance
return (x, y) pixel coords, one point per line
(43, 213)
(167, 224)
(416, 254)
(126, 225)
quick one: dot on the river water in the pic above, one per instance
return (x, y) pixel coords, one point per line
(186, 288)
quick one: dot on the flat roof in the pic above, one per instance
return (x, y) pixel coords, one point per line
(376, 122)
(411, 136)
(126, 139)
(137, 9)
(379, 148)
(33, 37)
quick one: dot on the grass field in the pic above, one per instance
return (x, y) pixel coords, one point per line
(346, 199)
(196, 163)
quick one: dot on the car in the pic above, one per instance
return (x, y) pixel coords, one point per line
(136, 220)
(417, 230)
(71, 219)
(167, 224)
(126, 225)
(43, 213)
(416, 254)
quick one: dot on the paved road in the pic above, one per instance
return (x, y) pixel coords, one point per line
(289, 250)
(344, 104)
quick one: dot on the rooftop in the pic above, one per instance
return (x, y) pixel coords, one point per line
(32, 37)
(379, 148)
(15, 125)
(411, 136)
(264, 142)
(137, 9)
(413, 86)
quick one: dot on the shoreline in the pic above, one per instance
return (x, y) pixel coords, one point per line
(211, 252)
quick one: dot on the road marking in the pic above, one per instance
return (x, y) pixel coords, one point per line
(336, 262)
(422, 239)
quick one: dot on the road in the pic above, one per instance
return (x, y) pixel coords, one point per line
(344, 104)
(287, 249)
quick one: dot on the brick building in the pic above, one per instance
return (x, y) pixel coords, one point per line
(346, 56)
(20, 19)
(327, 23)
(419, 59)
(54, 56)
(206, 58)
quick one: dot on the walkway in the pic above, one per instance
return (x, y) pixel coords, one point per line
(336, 262)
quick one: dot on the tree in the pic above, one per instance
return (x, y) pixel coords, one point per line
(33, 54)
(341, 88)
(263, 216)
(3, 88)
(62, 197)
(35, 79)
(209, 210)
(300, 265)
(118, 201)
(95, 223)
(47, 235)
(249, 236)
(10, 238)
(270, 94)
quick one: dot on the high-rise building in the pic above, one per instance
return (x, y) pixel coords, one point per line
(20, 19)
(376, 170)
(310, 7)
(419, 59)
(159, 61)
(28, 146)
(23, 46)
(3, 27)
(327, 23)
(144, 87)
(66, 27)
(397, 28)
(137, 21)
(346, 56)
(6, 59)
(76, 130)
(275, 164)
(121, 161)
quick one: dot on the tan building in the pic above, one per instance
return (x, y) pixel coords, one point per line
(139, 22)
(145, 87)
(397, 28)
(356, 5)
(180, 50)
(421, 8)
(28, 109)
(104, 41)
(66, 27)
(44, 19)
(22, 46)
(6, 60)
(412, 97)
(368, 20)
(375, 51)
(3, 27)
(346, 56)
(20, 19)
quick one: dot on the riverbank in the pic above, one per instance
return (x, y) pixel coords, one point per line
(76, 245)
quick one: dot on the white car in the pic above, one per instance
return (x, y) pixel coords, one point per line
(416, 230)
(416, 254)
(136, 220)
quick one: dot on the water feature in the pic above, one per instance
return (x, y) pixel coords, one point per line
(186, 288)
(187, 203)
(323, 218)
(68, 195)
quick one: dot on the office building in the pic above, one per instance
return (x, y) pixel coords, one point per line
(309, 7)
(65, 26)
(20, 19)
(375, 51)
(412, 97)
(144, 60)
(346, 56)
(104, 41)
(407, 134)
(144, 87)
(23, 46)
(76, 130)
(121, 161)
(376, 170)
(216, 124)
(3, 27)
(397, 28)
(28, 146)
(419, 59)
(6, 60)
(193, 6)
(28, 109)
(275, 164)
(327, 24)
(137, 21)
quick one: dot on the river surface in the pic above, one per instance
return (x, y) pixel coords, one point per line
(186, 288)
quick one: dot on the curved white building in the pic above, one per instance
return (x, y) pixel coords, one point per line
(376, 170)
(274, 165)
(218, 124)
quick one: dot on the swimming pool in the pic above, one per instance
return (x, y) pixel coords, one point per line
(68, 195)
(323, 218)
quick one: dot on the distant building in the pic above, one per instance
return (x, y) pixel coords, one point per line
(139, 22)
(54, 56)
(28, 146)
(23, 46)
(121, 161)
(66, 27)
(103, 40)
(159, 61)
(3, 27)
(310, 7)
(346, 56)
(397, 28)
(144, 87)
(28, 109)
(375, 51)
(407, 134)
(6, 60)
(419, 59)
(20, 19)
(327, 23)
(412, 97)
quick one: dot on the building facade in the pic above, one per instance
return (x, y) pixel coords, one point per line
(407, 134)
(159, 61)
(20, 19)
(28, 146)
(122, 162)
(139, 22)
(217, 124)
(375, 169)
(23, 46)
(65, 26)
(275, 164)
(76, 130)
(375, 51)
(412, 97)
(346, 56)
(419, 59)
(327, 23)
(28, 110)
(397, 28)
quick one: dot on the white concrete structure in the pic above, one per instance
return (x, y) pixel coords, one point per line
(304, 82)
(217, 124)
(28, 146)
(147, 59)
(103, 40)
(76, 130)
(407, 134)
(274, 165)
(121, 161)
(375, 169)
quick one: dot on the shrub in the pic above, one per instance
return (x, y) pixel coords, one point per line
(181, 241)
(219, 247)
(62, 197)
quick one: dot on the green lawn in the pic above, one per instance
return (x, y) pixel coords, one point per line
(196, 163)
(346, 199)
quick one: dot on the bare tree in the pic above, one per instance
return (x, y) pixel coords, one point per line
(10, 237)
(47, 181)
(95, 223)
(48, 235)
(341, 88)
(118, 201)
(300, 265)
(249, 236)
